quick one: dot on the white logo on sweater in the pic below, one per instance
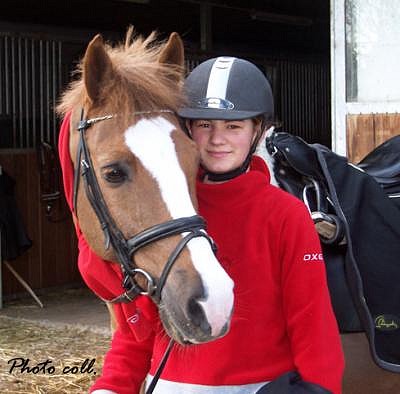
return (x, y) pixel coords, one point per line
(313, 257)
(134, 318)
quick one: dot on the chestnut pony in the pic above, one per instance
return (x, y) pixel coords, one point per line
(134, 192)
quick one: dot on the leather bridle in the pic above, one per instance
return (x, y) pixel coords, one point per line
(192, 227)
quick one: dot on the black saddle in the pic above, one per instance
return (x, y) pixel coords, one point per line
(296, 166)
(383, 163)
(362, 259)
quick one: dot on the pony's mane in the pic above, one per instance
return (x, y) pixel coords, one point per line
(139, 83)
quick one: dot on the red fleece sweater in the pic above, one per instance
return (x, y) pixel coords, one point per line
(282, 318)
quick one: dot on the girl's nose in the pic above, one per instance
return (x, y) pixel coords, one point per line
(217, 135)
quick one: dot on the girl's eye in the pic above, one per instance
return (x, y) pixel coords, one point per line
(202, 124)
(115, 175)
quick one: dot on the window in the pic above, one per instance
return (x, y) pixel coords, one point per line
(372, 51)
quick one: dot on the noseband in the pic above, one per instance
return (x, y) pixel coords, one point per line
(193, 226)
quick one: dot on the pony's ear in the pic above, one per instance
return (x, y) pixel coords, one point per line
(97, 68)
(173, 52)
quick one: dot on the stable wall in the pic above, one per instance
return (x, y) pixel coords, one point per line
(51, 261)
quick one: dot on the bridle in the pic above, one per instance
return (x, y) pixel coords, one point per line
(124, 248)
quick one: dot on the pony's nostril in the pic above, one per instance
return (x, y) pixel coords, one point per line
(198, 317)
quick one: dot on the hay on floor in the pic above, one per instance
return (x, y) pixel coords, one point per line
(67, 348)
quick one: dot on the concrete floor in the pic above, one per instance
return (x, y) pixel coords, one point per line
(79, 307)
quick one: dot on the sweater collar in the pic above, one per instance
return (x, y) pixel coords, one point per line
(235, 191)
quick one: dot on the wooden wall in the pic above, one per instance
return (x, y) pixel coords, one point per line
(51, 261)
(365, 132)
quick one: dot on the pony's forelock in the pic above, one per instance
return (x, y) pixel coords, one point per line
(139, 83)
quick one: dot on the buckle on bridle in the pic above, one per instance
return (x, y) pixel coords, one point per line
(151, 287)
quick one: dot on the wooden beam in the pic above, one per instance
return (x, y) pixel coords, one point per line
(23, 283)
(360, 136)
(205, 27)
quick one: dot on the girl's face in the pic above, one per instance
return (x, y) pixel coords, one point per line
(223, 144)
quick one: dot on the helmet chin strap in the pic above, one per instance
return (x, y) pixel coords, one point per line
(226, 176)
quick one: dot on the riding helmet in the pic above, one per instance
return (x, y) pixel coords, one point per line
(227, 88)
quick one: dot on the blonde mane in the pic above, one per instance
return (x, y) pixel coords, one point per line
(139, 82)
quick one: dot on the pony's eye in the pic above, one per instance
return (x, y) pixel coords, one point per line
(114, 174)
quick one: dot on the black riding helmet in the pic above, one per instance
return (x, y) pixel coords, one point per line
(228, 88)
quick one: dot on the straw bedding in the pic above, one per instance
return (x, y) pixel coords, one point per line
(66, 348)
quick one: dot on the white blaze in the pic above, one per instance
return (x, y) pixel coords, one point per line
(151, 142)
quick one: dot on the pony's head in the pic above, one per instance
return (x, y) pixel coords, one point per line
(145, 166)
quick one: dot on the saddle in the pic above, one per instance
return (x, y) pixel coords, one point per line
(359, 227)
(383, 163)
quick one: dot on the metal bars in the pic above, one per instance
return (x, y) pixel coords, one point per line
(33, 71)
(30, 83)
(305, 100)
